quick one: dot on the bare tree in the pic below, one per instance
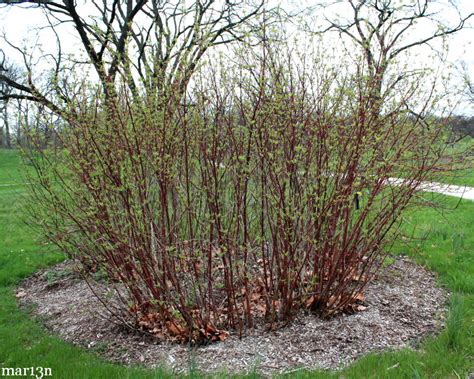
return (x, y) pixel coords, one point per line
(8, 73)
(470, 90)
(383, 29)
(146, 45)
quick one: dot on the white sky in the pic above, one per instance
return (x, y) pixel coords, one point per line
(18, 25)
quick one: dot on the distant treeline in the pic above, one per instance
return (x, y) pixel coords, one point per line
(462, 125)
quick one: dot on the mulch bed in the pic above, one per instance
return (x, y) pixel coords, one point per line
(402, 305)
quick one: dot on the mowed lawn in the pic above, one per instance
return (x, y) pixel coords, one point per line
(442, 239)
(464, 175)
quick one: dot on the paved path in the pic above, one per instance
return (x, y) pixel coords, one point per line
(464, 192)
(452, 190)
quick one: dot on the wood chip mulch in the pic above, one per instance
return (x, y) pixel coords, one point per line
(403, 305)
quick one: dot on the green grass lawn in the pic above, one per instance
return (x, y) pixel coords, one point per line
(463, 173)
(464, 177)
(444, 241)
(9, 166)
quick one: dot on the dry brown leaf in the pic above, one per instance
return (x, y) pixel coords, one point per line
(174, 329)
(210, 329)
(255, 296)
(309, 302)
(223, 335)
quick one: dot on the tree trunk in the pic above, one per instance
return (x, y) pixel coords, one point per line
(8, 143)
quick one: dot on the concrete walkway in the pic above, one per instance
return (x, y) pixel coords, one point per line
(452, 190)
(464, 192)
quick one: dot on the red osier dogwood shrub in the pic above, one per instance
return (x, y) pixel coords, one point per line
(260, 193)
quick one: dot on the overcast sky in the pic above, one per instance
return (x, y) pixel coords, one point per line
(18, 25)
